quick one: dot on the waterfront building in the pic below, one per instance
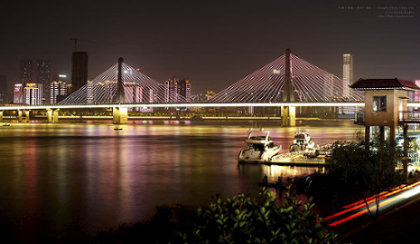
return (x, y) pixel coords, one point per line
(43, 76)
(184, 90)
(133, 93)
(210, 94)
(36, 72)
(347, 74)
(32, 93)
(18, 93)
(385, 103)
(177, 90)
(79, 75)
(58, 91)
(171, 90)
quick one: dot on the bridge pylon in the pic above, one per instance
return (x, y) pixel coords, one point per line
(288, 113)
(120, 114)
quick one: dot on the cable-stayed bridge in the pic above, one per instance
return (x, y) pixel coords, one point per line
(287, 82)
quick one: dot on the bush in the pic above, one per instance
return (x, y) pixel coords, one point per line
(242, 219)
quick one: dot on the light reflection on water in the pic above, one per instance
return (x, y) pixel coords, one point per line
(64, 180)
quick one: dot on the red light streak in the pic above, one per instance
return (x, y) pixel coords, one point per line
(361, 203)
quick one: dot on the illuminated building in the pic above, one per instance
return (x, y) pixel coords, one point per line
(328, 85)
(59, 88)
(184, 90)
(43, 76)
(58, 91)
(347, 73)
(210, 94)
(38, 72)
(32, 93)
(171, 90)
(177, 90)
(79, 75)
(133, 93)
(89, 93)
(18, 93)
(417, 93)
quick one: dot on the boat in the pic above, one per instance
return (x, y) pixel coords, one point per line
(302, 143)
(118, 128)
(261, 149)
(6, 124)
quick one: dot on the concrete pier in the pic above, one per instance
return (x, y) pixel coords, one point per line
(288, 116)
(19, 116)
(52, 115)
(119, 115)
(27, 118)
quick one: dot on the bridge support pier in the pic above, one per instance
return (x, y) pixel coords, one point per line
(52, 115)
(288, 116)
(27, 116)
(119, 115)
(19, 116)
(1, 116)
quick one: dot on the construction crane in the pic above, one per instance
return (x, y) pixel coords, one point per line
(76, 40)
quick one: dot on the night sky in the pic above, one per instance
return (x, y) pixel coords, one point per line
(213, 43)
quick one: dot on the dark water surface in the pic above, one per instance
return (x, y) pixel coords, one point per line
(67, 181)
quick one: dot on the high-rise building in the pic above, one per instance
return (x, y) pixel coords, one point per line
(79, 75)
(58, 91)
(26, 71)
(43, 76)
(36, 72)
(177, 90)
(184, 90)
(171, 90)
(59, 88)
(133, 93)
(3, 89)
(328, 85)
(18, 93)
(32, 93)
(347, 74)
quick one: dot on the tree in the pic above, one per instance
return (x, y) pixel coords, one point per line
(242, 219)
(363, 173)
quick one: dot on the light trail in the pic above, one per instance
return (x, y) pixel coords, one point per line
(385, 199)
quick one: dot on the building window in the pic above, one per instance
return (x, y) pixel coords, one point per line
(379, 104)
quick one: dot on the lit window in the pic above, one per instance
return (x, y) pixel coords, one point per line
(379, 104)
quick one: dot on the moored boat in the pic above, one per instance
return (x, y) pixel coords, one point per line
(261, 149)
(302, 142)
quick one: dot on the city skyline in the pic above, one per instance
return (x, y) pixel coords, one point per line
(213, 44)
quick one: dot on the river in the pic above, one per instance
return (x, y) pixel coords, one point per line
(69, 181)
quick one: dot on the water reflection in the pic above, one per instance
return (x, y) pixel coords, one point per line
(72, 180)
(273, 172)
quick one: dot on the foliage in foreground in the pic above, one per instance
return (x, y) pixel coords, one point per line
(356, 173)
(240, 219)
(243, 219)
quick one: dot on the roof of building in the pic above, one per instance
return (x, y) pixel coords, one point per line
(384, 84)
